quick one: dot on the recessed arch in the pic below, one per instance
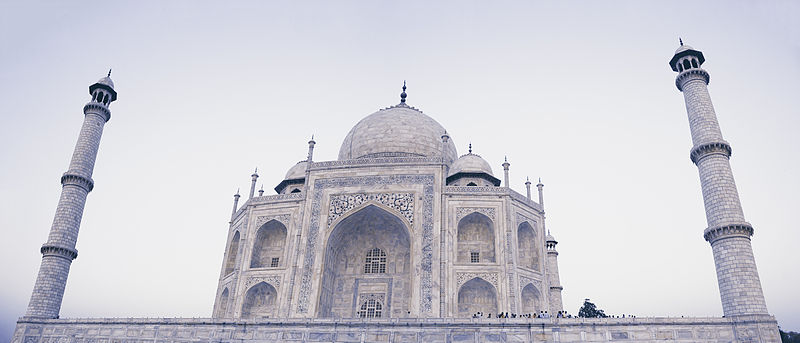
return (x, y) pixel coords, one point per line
(531, 299)
(687, 64)
(233, 251)
(268, 245)
(527, 246)
(222, 306)
(260, 301)
(475, 235)
(344, 280)
(476, 295)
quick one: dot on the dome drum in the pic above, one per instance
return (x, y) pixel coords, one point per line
(481, 175)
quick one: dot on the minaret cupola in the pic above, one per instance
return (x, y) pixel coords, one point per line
(103, 91)
(686, 58)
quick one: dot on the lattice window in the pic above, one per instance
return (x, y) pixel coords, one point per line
(274, 262)
(375, 262)
(370, 309)
(474, 257)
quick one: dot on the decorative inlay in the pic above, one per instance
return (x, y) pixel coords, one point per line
(462, 212)
(375, 161)
(275, 198)
(476, 189)
(274, 280)
(426, 268)
(340, 204)
(283, 218)
(691, 74)
(376, 296)
(712, 234)
(703, 150)
(462, 278)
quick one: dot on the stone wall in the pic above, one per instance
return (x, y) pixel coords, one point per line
(761, 329)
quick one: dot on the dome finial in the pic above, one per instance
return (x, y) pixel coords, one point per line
(470, 147)
(680, 41)
(109, 72)
(403, 95)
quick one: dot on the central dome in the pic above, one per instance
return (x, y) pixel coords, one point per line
(396, 131)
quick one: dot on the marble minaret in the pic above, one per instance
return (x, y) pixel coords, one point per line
(59, 250)
(728, 232)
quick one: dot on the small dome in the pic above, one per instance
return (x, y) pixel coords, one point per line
(298, 171)
(106, 81)
(549, 238)
(470, 163)
(683, 48)
(396, 131)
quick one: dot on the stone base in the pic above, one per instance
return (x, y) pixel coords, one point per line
(429, 330)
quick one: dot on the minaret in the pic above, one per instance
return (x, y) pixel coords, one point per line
(528, 186)
(540, 186)
(235, 204)
(76, 183)
(311, 144)
(728, 232)
(505, 170)
(253, 184)
(552, 275)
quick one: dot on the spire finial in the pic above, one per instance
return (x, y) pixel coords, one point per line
(403, 95)
(680, 41)
(109, 72)
(506, 158)
(237, 192)
(470, 147)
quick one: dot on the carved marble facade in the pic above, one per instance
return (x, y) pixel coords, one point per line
(386, 233)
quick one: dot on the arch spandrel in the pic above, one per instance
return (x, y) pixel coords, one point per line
(342, 205)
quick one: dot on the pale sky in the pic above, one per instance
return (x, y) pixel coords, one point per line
(577, 93)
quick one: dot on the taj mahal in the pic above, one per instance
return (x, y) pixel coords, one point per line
(403, 239)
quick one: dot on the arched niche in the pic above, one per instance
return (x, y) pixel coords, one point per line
(269, 244)
(260, 301)
(531, 300)
(527, 246)
(475, 236)
(476, 295)
(222, 305)
(233, 250)
(350, 247)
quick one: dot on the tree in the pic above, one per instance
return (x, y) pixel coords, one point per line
(589, 310)
(789, 337)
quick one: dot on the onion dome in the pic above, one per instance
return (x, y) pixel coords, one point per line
(295, 176)
(472, 165)
(397, 131)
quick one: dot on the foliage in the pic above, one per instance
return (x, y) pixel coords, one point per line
(589, 310)
(790, 337)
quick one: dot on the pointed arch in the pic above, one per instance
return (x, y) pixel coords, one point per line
(222, 305)
(233, 251)
(531, 299)
(475, 239)
(476, 295)
(260, 301)
(528, 246)
(345, 278)
(269, 245)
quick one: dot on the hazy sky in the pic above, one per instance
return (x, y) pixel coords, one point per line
(579, 94)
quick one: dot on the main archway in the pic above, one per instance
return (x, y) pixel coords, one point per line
(367, 260)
